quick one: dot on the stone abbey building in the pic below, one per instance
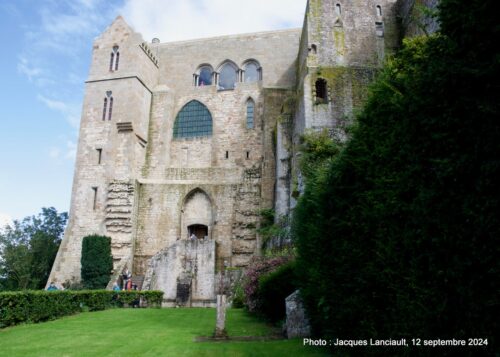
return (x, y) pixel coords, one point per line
(182, 143)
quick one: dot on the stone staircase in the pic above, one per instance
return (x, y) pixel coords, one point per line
(138, 280)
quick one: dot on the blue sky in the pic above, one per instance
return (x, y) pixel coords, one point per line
(45, 58)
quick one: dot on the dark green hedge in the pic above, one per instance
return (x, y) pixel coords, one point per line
(273, 289)
(36, 306)
(97, 261)
(399, 236)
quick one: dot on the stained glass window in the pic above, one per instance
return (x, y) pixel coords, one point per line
(250, 113)
(194, 120)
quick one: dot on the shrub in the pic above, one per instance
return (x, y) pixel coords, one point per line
(399, 236)
(96, 261)
(274, 287)
(257, 268)
(36, 306)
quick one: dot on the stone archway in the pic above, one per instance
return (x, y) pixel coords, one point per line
(197, 215)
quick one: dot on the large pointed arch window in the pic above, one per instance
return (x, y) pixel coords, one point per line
(193, 120)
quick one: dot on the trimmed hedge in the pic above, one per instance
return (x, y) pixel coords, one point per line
(274, 288)
(36, 306)
(97, 262)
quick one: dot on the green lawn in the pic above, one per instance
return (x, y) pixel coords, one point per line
(145, 332)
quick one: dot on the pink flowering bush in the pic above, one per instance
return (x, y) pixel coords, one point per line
(258, 267)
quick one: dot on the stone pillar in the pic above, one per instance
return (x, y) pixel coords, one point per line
(220, 325)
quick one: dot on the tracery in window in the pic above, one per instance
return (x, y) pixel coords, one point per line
(193, 120)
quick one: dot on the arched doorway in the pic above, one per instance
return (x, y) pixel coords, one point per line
(196, 215)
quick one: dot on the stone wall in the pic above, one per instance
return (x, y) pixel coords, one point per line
(142, 187)
(414, 21)
(184, 272)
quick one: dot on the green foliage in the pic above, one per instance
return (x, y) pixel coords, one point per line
(255, 270)
(317, 150)
(36, 306)
(28, 249)
(398, 235)
(273, 234)
(238, 296)
(97, 261)
(274, 287)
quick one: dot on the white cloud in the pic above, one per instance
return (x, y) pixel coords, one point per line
(172, 20)
(70, 111)
(5, 219)
(24, 67)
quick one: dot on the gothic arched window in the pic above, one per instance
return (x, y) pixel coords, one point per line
(228, 76)
(114, 59)
(105, 107)
(203, 76)
(252, 72)
(193, 120)
(250, 113)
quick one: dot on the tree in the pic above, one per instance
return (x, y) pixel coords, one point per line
(28, 249)
(97, 261)
(399, 235)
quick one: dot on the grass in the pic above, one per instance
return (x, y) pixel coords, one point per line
(145, 332)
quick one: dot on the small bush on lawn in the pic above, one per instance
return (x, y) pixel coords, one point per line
(36, 306)
(273, 289)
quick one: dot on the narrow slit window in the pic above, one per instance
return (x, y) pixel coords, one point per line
(227, 154)
(110, 111)
(379, 10)
(248, 155)
(111, 61)
(338, 9)
(105, 106)
(117, 60)
(250, 113)
(94, 204)
(99, 156)
(321, 91)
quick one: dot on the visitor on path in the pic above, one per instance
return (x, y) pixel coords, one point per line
(116, 287)
(193, 236)
(126, 275)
